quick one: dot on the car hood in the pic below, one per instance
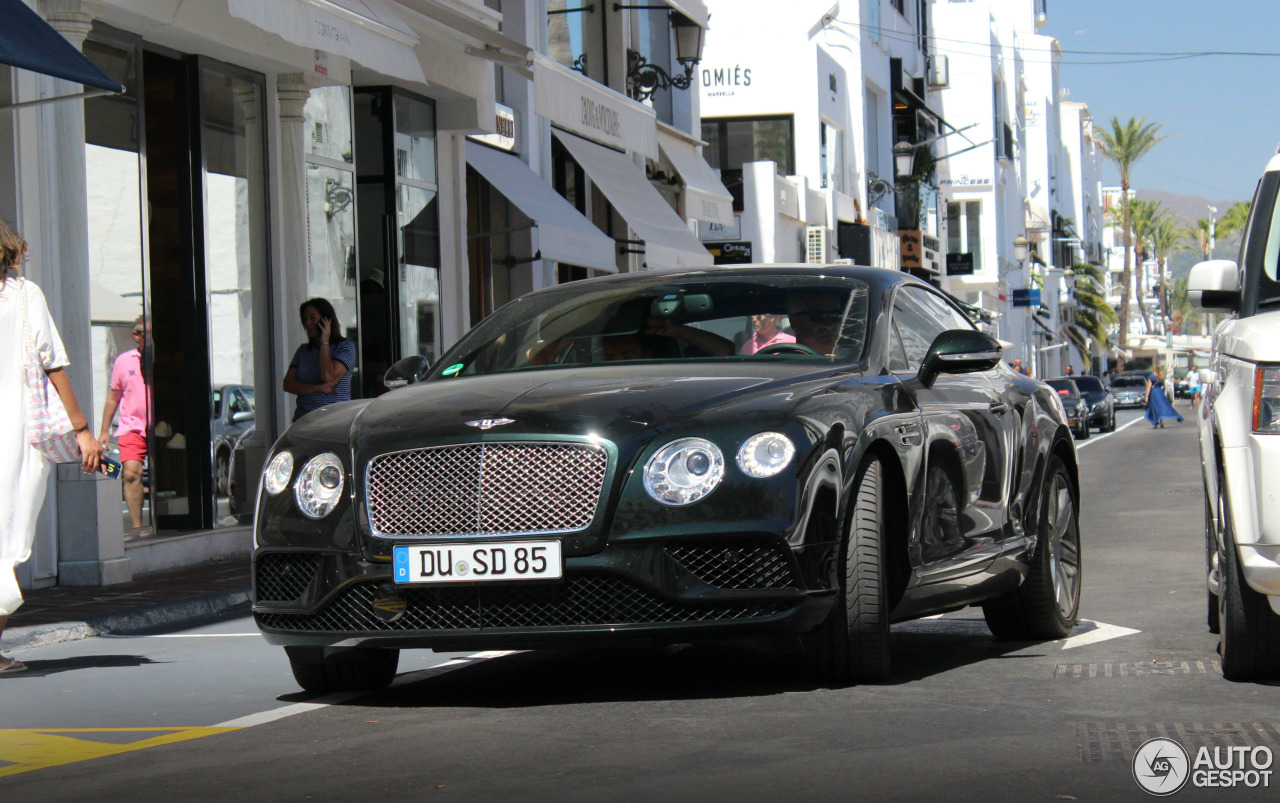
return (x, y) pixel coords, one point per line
(1096, 396)
(615, 403)
(1253, 339)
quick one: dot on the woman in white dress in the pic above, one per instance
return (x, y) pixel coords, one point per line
(24, 470)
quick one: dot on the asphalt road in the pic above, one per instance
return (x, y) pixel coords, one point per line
(213, 714)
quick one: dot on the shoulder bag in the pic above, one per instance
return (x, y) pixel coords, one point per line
(49, 427)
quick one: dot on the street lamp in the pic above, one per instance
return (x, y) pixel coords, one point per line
(904, 160)
(1213, 210)
(1021, 247)
(646, 78)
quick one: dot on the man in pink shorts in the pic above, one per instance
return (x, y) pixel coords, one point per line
(130, 394)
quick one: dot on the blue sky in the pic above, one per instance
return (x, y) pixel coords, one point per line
(1222, 112)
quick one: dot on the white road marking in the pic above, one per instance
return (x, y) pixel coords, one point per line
(186, 635)
(1101, 631)
(1106, 435)
(263, 717)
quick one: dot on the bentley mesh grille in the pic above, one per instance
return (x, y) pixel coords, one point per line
(735, 564)
(284, 576)
(488, 488)
(582, 599)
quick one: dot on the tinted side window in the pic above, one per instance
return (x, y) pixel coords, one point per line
(947, 316)
(897, 357)
(917, 328)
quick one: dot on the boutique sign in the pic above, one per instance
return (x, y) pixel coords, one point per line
(576, 104)
(723, 81)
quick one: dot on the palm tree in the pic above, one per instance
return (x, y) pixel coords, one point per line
(1093, 313)
(1234, 219)
(1125, 145)
(1185, 315)
(1166, 238)
(1144, 217)
(1199, 235)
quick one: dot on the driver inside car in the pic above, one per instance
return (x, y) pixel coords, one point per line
(815, 318)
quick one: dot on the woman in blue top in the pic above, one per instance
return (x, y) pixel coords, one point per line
(320, 372)
(1159, 409)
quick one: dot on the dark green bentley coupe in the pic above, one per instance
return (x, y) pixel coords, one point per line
(803, 452)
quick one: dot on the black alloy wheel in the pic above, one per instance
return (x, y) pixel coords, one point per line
(1047, 603)
(1249, 631)
(222, 473)
(853, 645)
(941, 527)
(344, 670)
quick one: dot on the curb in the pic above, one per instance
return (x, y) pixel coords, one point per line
(131, 621)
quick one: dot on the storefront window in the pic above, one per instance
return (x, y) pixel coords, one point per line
(831, 154)
(331, 207)
(235, 264)
(733, 142)
(651, 38)
(964, 227)
(575, 36)
(419, 229)
(117, 283)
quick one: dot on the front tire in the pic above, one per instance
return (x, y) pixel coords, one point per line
(1111, 423)
(1249, 631)
(1211, 552)
(853, 645)
(344, 670)
(1047, 604)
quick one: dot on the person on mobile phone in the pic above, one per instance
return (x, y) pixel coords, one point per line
(130, 394)
(24, 469)
(320, 372)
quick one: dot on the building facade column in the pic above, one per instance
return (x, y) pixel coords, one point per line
(89, 522)
(292, 91)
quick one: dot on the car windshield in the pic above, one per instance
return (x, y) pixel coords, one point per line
(1089, 384)
(1065, 387)
(666, 318)
(1129, 382)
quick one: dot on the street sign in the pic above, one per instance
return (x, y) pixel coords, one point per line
(960, 264)
(1027, 298)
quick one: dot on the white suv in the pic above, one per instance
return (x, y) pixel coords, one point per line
(1239, 425)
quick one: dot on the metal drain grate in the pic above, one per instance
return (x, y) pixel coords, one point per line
(1138, 669)
(1099, 742)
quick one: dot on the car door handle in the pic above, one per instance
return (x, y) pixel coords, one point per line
(998, 407)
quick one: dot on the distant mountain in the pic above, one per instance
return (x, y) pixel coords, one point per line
(1188, 209)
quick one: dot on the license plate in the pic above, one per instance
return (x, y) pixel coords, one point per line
(471, 563)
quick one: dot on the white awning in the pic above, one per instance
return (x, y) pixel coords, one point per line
(668, 242)
(366, 31)
(564, 234)
(494, 44)
(695, 10)
(705, 197)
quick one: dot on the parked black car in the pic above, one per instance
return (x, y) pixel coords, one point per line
(232, 416)
(1102, 405)
(599, 462)
(1073, 402)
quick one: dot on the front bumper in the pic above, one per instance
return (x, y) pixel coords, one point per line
(667, 591)
(1130, 401)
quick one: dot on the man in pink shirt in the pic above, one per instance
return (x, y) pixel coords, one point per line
(130, 394)
(764, 332)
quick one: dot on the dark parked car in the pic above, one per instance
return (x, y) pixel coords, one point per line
(1102, 405)
(233, 416)
(1074, 403)
(1130, 390)
(597, 462)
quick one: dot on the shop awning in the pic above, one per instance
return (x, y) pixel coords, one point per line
(705, 197)
(668, 243)
(366, 31)
(695, 10)
(30, 43)
(494, 45)
(564, 234)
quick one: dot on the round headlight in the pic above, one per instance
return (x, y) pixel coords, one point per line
(319, 485)
(765, 454)
(684, 471)
(279, 471)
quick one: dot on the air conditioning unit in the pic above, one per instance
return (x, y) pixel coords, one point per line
(816, 244)
(939, 72)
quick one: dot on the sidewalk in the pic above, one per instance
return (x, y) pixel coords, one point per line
(188, 596)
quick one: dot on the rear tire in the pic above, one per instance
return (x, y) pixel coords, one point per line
(853, 645)
(1111, 424)
(345, 670)
(1211, 552)
(1047, 603)
(1249, 631)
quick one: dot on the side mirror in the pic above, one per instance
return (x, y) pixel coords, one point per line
(241, 417)
(1214, 285)
(959, 351)
(406, 372)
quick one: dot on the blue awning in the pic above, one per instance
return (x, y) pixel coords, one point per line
(28, 42)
